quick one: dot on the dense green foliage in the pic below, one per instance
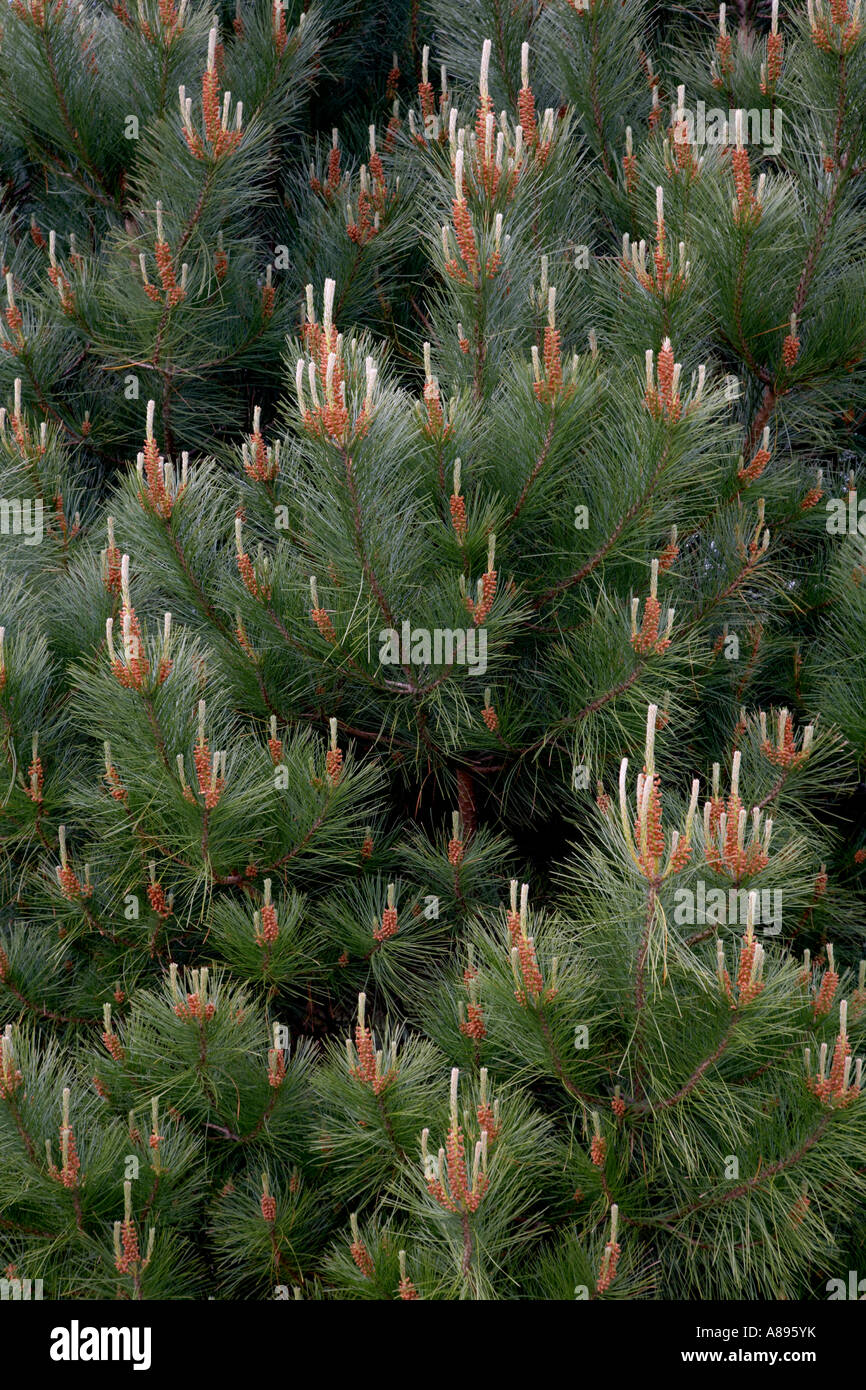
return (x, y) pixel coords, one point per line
(430, 582)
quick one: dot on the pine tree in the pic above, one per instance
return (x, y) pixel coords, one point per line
(431, 696)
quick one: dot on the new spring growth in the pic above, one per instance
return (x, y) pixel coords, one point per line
(388, 927)
(452, 131)
(516, 920)
(645, 839)
(406, 1288)
(110, 560)
(760, 536)
(838, 32)
(70, 884)
(326, 413)
(598, 1146)
(630, 166)
(275, 744)
(517, 158)
(434, 426)
(320, 615)
(245, 565)
(266, 923)
(488, 713)
(124, 581)
(159, 486)
(489, 124)
(488, 1116)
(210, 770)
(636, 253)
(127, 1255)
(722, 66)
(12, 313)
(660, 280)
(70, 1163)
(473, 1026)
(261, 463)
(216, 121)
(358, 1250)
(548, 383)
(299, 385)
(784, 752)
(447, 1178)
(155, 1137)
(528, 979)
(834, 1088)
(610, 1258)
(35, 774)
(181, 773)
(334, 755)
(697, 388)
(109, 1037)
(771, 70)
(10, 1075)
(133, 670)
(458, 505)
(648, 641)
(663, 400)
(463, 230)
(156, 896)
(497, 239)
(195, 1005)
(371, 373)
(458, 176)
(749, 983)
(56, 275)
(755, 468)
(746, 206)
(455, 844)
(277, 1057)
(480, 607)
(791, 344)
(725, 830)
(829, 984)
(165, 659)
(484, 73)
(370, 1067)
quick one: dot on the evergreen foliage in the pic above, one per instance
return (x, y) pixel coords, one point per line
(431, 588)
